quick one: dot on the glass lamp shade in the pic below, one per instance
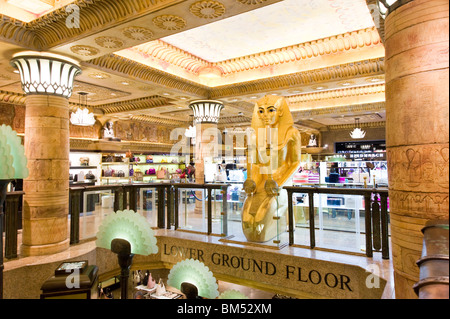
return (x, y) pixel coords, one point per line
(206, 111)
(13, 163)
(357, 133)
(232, 294)
(388, 6)
(196, 273)
(130, 226)
(82, 117)
(46, 73)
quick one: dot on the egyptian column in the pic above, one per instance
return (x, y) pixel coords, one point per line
(206, 117)
(47, 80)
(417, 106)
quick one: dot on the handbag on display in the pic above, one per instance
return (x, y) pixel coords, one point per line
(84, 161)
(89, 175)
(160, 288)
(120, 173)
(151, 171)
(161, 173)
(118, 159)
(129, 154)
(138, 175)
(163, 160)
(107, 158)
(149, 159)
(179, 171)
(108, 172)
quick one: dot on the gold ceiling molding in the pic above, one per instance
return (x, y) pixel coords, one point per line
(12, 98)
(352, 126)
(166, 52)
(336, 94)
(370, 67)
(109, 42)
(169, 22)
(331, 45)
(84, 50)
(158, 120)
(137, 70)
(136, 104)
(369, 107)
(16, 32)
(345, 42)
(252, 1)
(137, 33)
(94, 15)
(207, 9)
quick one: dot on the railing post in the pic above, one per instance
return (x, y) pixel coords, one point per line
(74, 211)
(11, 223)
(132, 191)
(384, 226)
(209, 211)
(368, 219)
(376, 223)
(224, 190)
(118, 203)
(176, 191)
(161, 206)
(291, 229)
(170, 205)
(312, 224)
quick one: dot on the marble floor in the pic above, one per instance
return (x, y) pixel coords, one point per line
(340, 240)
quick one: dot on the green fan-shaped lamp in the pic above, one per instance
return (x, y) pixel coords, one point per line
(194, 273)
(126, 234)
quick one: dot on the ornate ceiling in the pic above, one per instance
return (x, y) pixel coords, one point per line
(146, 59)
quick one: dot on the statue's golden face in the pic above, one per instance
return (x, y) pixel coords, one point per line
(269, 114)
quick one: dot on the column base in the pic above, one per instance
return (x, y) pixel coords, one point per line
(40, 250)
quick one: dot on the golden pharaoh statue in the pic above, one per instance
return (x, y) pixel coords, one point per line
(273, 158)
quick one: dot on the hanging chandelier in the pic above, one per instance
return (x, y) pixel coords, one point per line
(357, 132)
(82, 117)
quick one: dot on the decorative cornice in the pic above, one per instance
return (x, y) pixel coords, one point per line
(94, 15)
(330, 45)
(158, 120)
(339, 72)
(370, 107)
(336, 94)
(292, 54)
(136, 104)
(351, 126)
(17, 32)
(137, 70)
(12, 98)
(172, 55)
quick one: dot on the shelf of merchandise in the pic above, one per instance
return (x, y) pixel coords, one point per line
(143, 166)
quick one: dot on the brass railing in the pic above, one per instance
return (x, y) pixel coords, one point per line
(125, 197)
(376, 215)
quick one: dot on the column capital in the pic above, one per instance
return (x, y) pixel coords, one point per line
(44, 73)
(206, 111)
